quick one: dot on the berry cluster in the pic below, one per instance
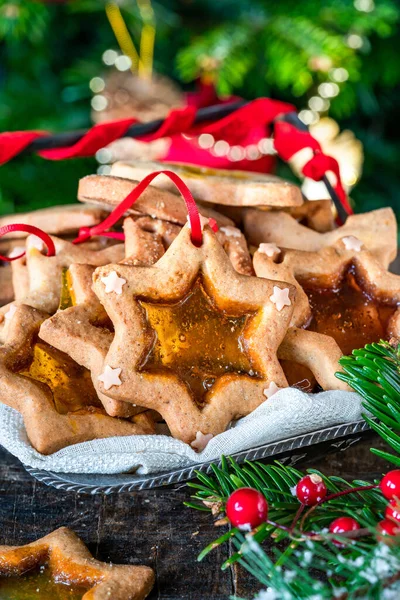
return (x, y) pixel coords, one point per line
(247, 508)
(390, 488)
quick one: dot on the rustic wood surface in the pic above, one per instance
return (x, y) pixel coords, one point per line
(149, 527)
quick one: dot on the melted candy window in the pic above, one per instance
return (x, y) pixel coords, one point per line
(70, 383)
(67, 298)
(196, 341)
(348, 314)
(37, 585)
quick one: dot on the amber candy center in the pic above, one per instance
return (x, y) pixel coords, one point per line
(39, 584)
(348, 314)
(67, 297)
(196, 341)
(70, 383)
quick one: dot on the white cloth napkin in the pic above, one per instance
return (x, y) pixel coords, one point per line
(287, 413)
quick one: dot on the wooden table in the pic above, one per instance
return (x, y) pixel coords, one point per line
(150, 527)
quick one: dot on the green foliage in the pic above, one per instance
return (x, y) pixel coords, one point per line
(302, 561)
(374, 372)
(50, 51)
(324, 571)
(276, 482)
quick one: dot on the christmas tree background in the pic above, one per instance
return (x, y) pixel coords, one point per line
(50, 52)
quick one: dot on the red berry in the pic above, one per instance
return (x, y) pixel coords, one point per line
(387, 527)
(390, 484)
(311, 489)
(342, 525)
(392, 511)
(246, 508)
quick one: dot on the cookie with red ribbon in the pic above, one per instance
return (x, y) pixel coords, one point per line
(165, 205)
(57, 220)
(60, 563)
(146, 240)
(342, 290)
(37, 277)
(53, 393)
(218, 186)
(377, 230)
(194, 340)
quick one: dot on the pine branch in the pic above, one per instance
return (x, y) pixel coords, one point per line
(374, 372)
(361, 566)
(277, 483)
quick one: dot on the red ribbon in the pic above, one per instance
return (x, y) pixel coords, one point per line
(289, 140)
(51, 250)
(101, 229)
(244, 127)
(13, 143)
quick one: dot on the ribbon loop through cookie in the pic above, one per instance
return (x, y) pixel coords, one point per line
(46, 239)
(194, 218)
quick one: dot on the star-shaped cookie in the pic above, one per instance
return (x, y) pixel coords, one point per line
(54, 395)
(168, 358)
(343, 291)
(83, 331)
(37, 277)
(147, 240)
(377, 230)
(59, 562)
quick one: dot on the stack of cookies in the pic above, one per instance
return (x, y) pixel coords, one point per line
(159, 335)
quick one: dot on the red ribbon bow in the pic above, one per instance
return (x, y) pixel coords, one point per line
(289, 140)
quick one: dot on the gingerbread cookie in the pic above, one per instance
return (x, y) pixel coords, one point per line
(218, 186)
(377, 230)
(57, 220)
(314, 214)
(154, 202)
(60, 563)
(37, 277)
(54, 395)
(147, 240)
(83, 331)
(6, 286)
(308, 357)
(194, 340)
(342, 290)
